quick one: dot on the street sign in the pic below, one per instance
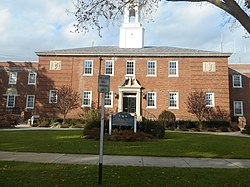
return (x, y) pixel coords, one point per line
(103, 83)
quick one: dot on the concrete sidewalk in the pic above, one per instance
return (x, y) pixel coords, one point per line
(142, 161)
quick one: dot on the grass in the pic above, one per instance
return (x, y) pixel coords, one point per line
(174, 145)
(34, 174)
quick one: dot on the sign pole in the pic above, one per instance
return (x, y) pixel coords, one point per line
(101, 139)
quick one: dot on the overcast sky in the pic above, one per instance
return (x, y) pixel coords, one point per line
(27, 26)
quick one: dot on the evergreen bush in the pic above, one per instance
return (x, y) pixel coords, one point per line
(167, 118)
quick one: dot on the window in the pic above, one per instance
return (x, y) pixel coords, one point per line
(52, 96)
(130, 68)
(151, 68)
(151, 100)
(30, 102)
(173, 68)
(12, 77)
(86, 99)
(10, 101)
(173, 98)
(109, 99)
(210, 99)
(237, 81)
(238, 108)
(32, 78)
(109, 67)
(88, 67)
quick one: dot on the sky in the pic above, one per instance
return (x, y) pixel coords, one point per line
(29, 26)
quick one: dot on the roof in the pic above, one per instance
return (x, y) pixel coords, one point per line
(157, 51)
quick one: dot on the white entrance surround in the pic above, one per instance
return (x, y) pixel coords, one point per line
(130, 85)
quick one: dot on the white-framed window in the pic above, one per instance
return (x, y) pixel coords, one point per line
(10, 101)
(151, 100)
(30, 102)
(88, 67)
(209, 99)
(13, 78)
(86, 98)
(109, 99)
(237, 81)
(151, 68)
(130, 67)
(53, 96)
(173, 69)
(32, 78)
(238, 108)
(173, 100)
(109, 67)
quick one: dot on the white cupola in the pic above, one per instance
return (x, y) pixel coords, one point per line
(131, 31)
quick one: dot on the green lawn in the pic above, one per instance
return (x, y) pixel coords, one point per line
(33, 174)
(175, 144)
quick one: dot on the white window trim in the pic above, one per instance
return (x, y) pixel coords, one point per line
(10, 80)
(89, 98)
(31, 83)
(155, 99)
(112, 67)
(234, 82)
(14, 102)
(149, 75)
(33, 103)
(133, 68)
(177, 68)
(213, 99)
(50, 96)
(110, 106)
(241, 108)
(88, 74)
(177, 103)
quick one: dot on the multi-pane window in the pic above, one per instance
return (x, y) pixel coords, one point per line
(109, 67)
(130, 67)
(151, 100)
(209, 99)
(88, 67)
(109, 99)
(86, 98)
(173, 102)
(12, 77)
(237, 81)
(238, 108)
(32, 78)
(173, 68)
(53, 96)
(30, 102)
(151, 68)
(10, 101)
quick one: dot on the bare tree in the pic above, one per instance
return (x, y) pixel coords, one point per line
(196, 104)
(91, 13)
(68, 99)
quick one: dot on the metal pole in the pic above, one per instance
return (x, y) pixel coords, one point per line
(101, 139)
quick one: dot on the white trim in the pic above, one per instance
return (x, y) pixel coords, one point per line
(105, 72)
(111, 97)
(14, 101)
(155, 68)
(154, 99)
(12, 80)
(241, 104)
(29, 83)
(33, 101)
(50, 96)
(233, 81)
(133, 68)
(177, 69)
(89, 98)
(212, 97)
(175, 99)
(92, 65)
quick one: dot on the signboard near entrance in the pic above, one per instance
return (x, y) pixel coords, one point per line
(103, 83)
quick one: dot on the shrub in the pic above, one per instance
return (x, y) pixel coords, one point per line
(91, 115)
(246, 129)
(235, 128)
(8, 120)
(74, 121)
(44, 124)
(93, 133)
(155, 128)
(167, 118)
(129, 135)
(223, 129)
(90, 125)
(182, 124)
(215, 124)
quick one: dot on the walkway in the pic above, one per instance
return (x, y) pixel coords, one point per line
(143, 161)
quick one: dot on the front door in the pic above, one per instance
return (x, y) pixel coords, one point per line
(129, 103)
